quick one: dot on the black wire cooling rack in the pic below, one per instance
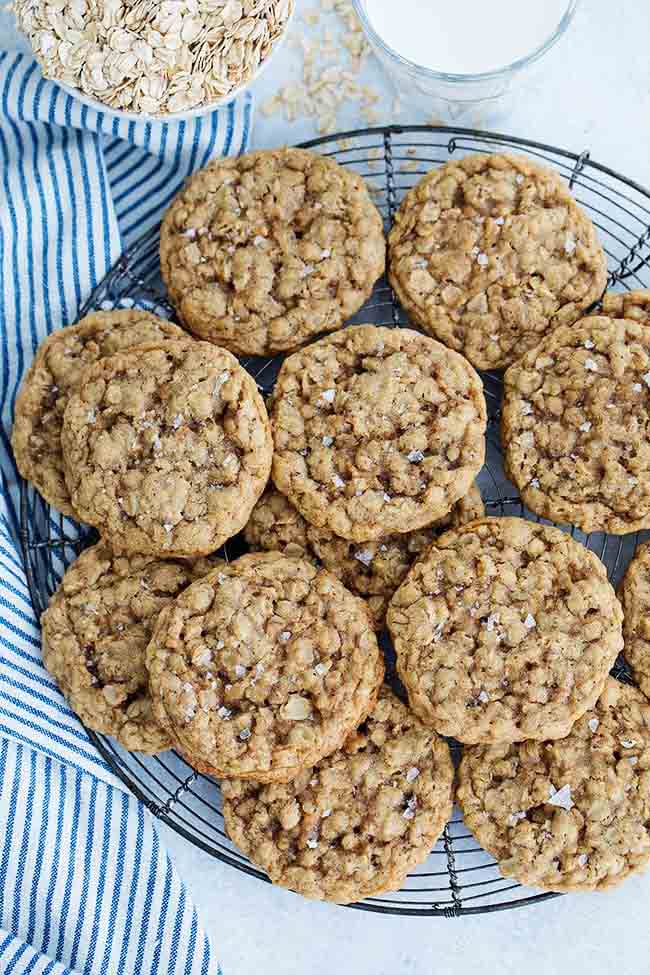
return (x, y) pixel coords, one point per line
(459, 877)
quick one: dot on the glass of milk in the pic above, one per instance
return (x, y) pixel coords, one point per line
(459, 60)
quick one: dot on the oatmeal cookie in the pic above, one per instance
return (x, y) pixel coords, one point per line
(95, 632)
(167, 448)
(490, 252)
(634, 594)
(263, 667)
(505, 631)
(634, 305)
(576, 426)
(571, 814)
(355, 824)
(55, 374)
(262, 253)
(377, 430)
(372, 570)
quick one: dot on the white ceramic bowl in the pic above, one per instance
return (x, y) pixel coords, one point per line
(206, 109)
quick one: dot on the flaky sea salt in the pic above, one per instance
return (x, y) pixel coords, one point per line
(530, 622)
(412, 774)
(244, 734)
(240, 671)
(328, 395)
(411, 806)
(591, 366)
(365, 556)
(492, 621)
(483, 260)
(415, 456)
(583, 860)
(569, 245)
(515, 818)
(585, 427)
(224, 713)
(589, 344)
(561, 798)
(285, 635)
(484, 697)
(593, 724)
(327, 441)
(338, 481)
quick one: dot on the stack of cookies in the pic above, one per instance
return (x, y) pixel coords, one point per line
(266, 671)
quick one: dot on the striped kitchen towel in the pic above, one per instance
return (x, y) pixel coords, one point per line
(84, 883)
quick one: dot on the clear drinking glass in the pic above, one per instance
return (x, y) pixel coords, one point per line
(467, 98)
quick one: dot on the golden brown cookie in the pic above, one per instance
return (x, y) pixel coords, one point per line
(377, 431)
(262, 668)
(95, 633)
(491, 252)
(576, 426)
(572, 814)
(55, 374)
(262, 253)
(356, 823)
(634, 594)
(505, 631)
(167, 448)
(634, 305)
(372, 570)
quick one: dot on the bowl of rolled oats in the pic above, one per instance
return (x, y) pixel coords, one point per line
(142, 59)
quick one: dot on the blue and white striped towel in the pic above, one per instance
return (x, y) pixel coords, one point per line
(84, 883)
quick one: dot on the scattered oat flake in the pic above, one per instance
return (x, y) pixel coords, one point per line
(593, 724)
(561, 798)
(591, 365)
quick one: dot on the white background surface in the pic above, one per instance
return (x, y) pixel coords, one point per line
(596, 95)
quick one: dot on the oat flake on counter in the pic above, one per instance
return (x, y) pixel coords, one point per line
(155, 58)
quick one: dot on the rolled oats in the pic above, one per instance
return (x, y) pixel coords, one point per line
(151, 57)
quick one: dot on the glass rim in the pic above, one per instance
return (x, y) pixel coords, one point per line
(522, 62)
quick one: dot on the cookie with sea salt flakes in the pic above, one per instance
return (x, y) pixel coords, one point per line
(377, 431)
(372, 570)
(166, 448)
(264, 252)
(491, 252)
(576, 426)
(95, 632)
(572, 814)
(634, 594)
(262, 668)
(360, 820)
(55, 374)
(506, 630)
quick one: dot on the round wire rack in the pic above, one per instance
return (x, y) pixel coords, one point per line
(459, 877)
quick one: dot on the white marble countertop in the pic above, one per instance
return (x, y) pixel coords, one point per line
(595, 95)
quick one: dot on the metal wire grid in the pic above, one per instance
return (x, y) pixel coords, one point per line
(459, 877)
